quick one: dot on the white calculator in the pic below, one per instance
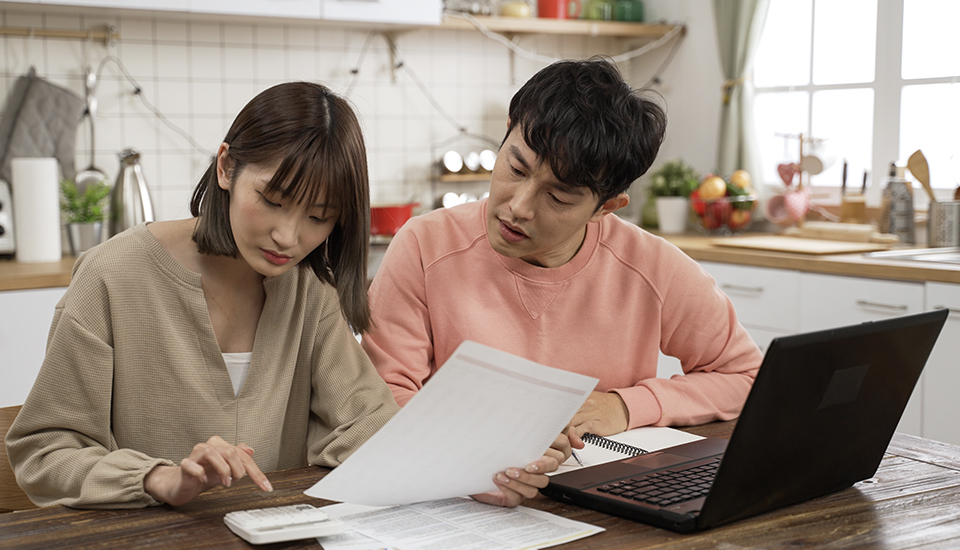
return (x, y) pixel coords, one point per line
(282, 523)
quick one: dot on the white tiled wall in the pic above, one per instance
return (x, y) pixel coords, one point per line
(200, 71)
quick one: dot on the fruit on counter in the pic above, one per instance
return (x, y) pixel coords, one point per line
(724, 204)
(715, 214)
(712, 187)
(738, 219)
(741, 178)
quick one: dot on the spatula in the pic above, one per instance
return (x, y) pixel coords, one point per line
(917, 163)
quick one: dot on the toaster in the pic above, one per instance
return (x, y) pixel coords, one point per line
(6, 220)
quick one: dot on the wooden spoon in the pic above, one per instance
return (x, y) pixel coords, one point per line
(917, 163)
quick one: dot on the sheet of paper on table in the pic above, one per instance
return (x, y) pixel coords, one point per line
(649, 438)
(483, 412)
(451, 524)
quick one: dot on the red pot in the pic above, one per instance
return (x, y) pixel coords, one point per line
(387, 219)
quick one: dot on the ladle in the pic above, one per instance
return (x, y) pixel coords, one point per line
(91, 174)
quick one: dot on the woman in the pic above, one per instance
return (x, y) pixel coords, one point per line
(183, 346)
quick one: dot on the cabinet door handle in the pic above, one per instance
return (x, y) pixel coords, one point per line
(866, 303)
(953, 311)
(740, 288)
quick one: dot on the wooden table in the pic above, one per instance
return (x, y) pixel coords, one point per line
(912, 502)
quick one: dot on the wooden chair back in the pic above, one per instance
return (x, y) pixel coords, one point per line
(12, 497)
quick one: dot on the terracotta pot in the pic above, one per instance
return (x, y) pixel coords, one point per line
(387, 219)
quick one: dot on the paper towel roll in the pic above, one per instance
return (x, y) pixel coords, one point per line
(36, 209)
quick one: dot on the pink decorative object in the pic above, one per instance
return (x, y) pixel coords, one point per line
(796, 203)
(788, 171)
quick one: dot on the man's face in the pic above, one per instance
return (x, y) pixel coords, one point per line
(531, 215)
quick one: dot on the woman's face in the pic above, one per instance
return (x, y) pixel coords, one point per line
(273, 234)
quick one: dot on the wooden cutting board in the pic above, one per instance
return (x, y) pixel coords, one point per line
(797, 245)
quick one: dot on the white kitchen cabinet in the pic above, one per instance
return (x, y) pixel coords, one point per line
(766, 300)
(305, 9)
(829, 301)
(162, 5)
(941, 377)
(406, 12)
(24, 326)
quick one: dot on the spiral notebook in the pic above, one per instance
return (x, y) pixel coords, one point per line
(600, 450)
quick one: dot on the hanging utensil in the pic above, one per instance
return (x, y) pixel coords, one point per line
(91, 174)
(917, 163)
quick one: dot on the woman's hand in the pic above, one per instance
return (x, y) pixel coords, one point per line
(213, 463)
(517, 485)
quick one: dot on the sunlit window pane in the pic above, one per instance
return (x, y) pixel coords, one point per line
(844, 41)
(931, 43)
(929, 120)
(783, 54)
(776, 114)
(844, 120)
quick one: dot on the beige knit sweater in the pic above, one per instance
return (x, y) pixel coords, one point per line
(133, 377)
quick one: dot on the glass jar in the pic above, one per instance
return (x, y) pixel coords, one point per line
(599, 10)
(628, 10)
(516, 8)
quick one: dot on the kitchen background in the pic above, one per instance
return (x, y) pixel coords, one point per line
(198, 71)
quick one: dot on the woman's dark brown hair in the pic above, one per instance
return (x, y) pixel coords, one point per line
(315, 136)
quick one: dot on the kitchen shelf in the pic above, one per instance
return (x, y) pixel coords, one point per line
(536, 25)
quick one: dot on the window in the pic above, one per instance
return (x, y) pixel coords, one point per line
(874, 80)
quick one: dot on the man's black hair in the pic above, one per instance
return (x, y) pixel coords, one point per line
(592, 128)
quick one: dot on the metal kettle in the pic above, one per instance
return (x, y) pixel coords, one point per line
(130, 202)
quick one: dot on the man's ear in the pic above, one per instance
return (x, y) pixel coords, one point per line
(610, 206)
(224, 166)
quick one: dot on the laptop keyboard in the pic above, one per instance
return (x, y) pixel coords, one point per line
(667, 487)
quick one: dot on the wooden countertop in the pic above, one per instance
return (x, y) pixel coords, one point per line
(16, 275)
(699, 248)
(23, 276)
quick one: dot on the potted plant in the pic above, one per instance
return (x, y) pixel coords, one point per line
(83, 213)
(670, 185)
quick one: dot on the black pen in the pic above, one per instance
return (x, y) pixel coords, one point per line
(575, 457)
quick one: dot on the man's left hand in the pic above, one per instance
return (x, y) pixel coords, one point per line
(601, 414)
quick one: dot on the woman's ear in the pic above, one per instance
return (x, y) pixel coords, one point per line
(224, 167)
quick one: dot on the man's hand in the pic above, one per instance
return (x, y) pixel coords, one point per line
(601, 414)
(213, 463)
(518, 485)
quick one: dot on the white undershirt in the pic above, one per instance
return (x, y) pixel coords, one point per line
(238, 365)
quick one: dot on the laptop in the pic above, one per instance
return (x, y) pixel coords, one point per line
(818, 419)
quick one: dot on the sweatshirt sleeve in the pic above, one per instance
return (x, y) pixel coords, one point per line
(719, 359)
(349, 401)
(404, 358)
(61, 446)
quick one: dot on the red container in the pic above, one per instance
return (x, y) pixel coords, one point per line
(387, 219)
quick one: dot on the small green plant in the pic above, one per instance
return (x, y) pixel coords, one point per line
(673, 178)
(86, 207)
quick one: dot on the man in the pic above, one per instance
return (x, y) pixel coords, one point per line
(542, 270)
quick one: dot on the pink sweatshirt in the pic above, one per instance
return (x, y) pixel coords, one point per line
(626, 295)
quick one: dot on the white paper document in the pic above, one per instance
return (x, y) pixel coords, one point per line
(484, 411)
(648, 438)
(451, 524)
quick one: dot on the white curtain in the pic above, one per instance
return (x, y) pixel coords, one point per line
(739, 25)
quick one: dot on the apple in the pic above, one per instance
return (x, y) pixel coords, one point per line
(738, 219)
(712, 187)
(716, 214)
(741, 178)
(697, 203)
